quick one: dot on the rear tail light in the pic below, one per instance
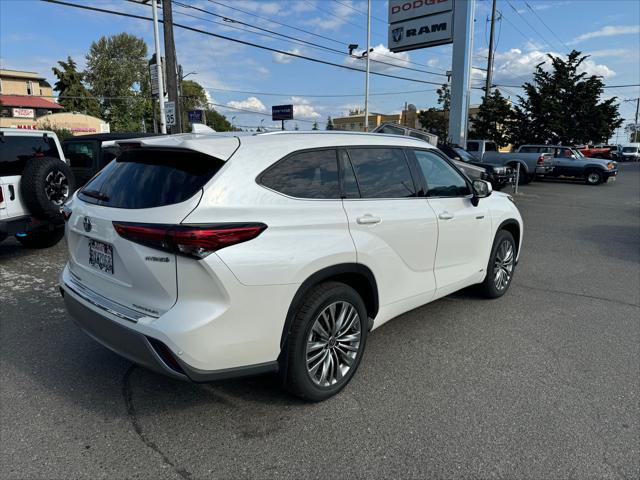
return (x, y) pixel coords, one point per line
(541, 160)
(195, 241)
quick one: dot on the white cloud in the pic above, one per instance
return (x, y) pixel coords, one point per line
(609, 52)
(516, 65)
(339, 16)
(302, 108)
(608, 31)
(284, 58)
(381, 54)
(250, 103)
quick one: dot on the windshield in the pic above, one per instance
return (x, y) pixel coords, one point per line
(577, 153)
(630, 149)
(464, 155)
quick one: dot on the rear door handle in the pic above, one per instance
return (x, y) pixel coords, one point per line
(368, 219)
(445, 216)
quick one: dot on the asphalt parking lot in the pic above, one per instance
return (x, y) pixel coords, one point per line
(543, 383)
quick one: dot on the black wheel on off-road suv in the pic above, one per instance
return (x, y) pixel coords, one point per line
(46, 184)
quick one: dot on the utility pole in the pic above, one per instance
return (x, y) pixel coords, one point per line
(487, 90)
(156, 39)
(366, 84)
(171, 63)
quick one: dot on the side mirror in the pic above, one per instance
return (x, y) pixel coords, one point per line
(481, 189)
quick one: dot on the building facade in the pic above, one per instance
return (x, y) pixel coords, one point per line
(26, 101)
(24, 97)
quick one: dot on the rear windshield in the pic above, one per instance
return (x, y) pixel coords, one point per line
(147, 178)
(16, 150)
(630, 149)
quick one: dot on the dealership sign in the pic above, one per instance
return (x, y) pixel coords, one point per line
(23, 113)
(400, 10)
(419, 23)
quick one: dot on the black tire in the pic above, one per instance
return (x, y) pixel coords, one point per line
(498, 186)
(524, 176)
(45, 185)
(2, 237)
(488, 287)
(593, 177)
(295, 375)
(43, 239)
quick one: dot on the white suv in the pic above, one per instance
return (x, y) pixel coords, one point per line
(205, 257)
(35, 181)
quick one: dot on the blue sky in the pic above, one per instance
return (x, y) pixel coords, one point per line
(34, 35)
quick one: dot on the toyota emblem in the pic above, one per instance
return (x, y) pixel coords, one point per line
(86, 223)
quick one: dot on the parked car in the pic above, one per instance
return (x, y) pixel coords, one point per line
(531, 165)
(287, 248)
(395, 129)
(88, 154)
(631, 152)
(499, 176)
(569, 162)
(595, 152)
(35, 181)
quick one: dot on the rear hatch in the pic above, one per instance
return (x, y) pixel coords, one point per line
(142, 187)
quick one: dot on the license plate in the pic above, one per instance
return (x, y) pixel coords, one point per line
(101, 256)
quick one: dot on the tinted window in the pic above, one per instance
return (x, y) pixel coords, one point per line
(392, 130)
(16, 150)
(349, 184)
(528, 149)
(382, 173)
(146, 178)
(472, 146)
(79, 154)
(442, 179)
(305, 175)
(490, 147)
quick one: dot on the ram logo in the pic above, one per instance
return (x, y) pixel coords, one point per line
(397, 34)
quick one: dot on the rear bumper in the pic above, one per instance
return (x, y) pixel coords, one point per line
(28, 224)
(183, 344)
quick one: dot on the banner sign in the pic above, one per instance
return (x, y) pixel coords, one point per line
(196, 116)
(282, 112)
(23, 113)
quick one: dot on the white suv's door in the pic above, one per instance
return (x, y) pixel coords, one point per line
(464, 231)
(394, 234)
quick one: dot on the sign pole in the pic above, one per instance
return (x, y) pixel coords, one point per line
(366, 82)
(156, 38)
(461, 71)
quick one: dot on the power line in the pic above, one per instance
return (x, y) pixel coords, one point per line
(295, 39)
(546, 26)
(243, 42)
(527, 22)
(340, 19)
(360, 11)
(306, 95)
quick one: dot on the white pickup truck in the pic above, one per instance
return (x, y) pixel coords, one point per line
(531, 164)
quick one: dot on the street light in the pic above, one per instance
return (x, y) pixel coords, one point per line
(190, 73)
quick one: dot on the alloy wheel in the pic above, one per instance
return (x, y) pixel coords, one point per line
(503, 265)
(333, 344)
(56, 187)
(593, 178)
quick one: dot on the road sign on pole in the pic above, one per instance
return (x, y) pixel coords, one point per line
(170, 113)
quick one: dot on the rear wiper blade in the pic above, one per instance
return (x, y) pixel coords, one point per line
(95, 194)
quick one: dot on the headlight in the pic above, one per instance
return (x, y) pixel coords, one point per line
(610, 166)
(500, 170)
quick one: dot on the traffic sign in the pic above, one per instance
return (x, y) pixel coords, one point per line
(196, 116)
(170, 113)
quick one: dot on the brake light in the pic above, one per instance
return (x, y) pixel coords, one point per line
(541, 160)
(195, 241)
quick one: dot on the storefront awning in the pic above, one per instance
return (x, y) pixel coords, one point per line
(25, 101)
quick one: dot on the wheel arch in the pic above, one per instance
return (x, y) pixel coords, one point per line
(523, 165)
(513, 227)
(357, 276)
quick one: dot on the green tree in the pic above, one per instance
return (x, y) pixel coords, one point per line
(315, 126)
(436, 120)
(563, 105)
(117, 73)
(329, 124)
(493, 119)
(72, 94)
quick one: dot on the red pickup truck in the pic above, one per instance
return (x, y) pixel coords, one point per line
(595, 152)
